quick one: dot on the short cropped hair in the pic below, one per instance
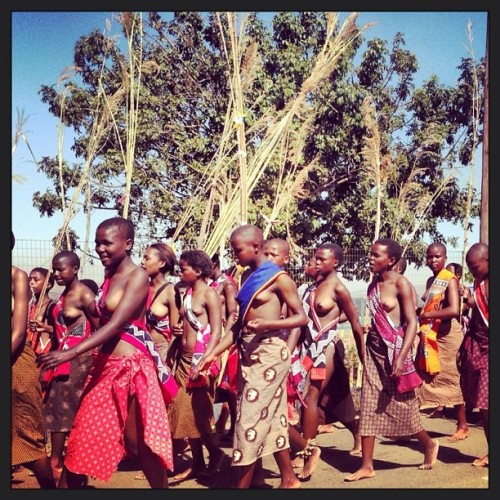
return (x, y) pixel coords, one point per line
(394, 249)
(90, 284)
(335, 249)
(457, 268)
(282, 244)
(402, 264)
(124, 226)
(68, 255)
(437, 244)
(249, 233)
(198, 260)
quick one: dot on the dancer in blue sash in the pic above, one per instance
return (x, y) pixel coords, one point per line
(262, 420)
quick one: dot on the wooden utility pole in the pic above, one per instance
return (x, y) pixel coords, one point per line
(483, 221)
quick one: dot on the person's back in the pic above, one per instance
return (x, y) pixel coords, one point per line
(27, 430)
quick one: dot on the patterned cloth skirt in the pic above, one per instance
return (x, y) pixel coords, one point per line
(262, 414)
(336, 399)
(64, 393)
(191, 411)
(96, 443)
(27, 429)
(383, 411)
(444, 388)
(473, 363)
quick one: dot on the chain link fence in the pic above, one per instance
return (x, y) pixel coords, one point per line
(28, 254)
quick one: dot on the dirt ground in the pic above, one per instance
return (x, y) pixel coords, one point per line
(396, 464)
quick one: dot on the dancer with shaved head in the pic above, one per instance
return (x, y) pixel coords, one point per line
(262, 420)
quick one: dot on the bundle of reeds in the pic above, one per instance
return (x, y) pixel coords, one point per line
(284, 134)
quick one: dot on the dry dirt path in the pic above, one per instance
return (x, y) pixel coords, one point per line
(396, 465)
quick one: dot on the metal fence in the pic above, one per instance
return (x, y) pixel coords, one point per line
(28, 254)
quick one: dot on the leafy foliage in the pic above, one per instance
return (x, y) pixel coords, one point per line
(424, 133)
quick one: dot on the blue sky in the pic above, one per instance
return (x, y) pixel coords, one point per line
(43, 44)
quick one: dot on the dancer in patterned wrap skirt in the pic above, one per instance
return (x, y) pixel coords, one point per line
(473, 354)
(383, 409)
(261, 325)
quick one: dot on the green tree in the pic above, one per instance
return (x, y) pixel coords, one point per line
(184, 97)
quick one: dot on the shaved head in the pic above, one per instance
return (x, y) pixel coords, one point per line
(478, 250)
(249, 234)
(281, 244)
(437, 245)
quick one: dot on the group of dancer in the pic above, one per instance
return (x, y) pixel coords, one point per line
(147, 357)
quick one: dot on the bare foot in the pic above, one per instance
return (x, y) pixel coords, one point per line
(430, 456)
(291, 483)
(189, 473)
(363, 473)
(481, 462)
(356, 450)
(298, 462)
(325, 428)
(460, 435)
(310, 464)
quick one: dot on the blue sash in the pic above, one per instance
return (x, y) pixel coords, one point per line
(259, 280)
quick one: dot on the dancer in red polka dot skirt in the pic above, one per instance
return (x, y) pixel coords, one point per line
(123, 408)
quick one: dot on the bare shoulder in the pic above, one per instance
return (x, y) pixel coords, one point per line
(338, 284)
(18, 273)
(86, 294)
(401, 282)
(137, 273)
(228, 285)
(19, 278)
(284, 279)
(211, 293)
(169, 290)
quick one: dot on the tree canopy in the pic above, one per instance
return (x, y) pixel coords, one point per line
(363, 147)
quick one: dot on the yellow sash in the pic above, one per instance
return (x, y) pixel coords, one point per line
(429, 356)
